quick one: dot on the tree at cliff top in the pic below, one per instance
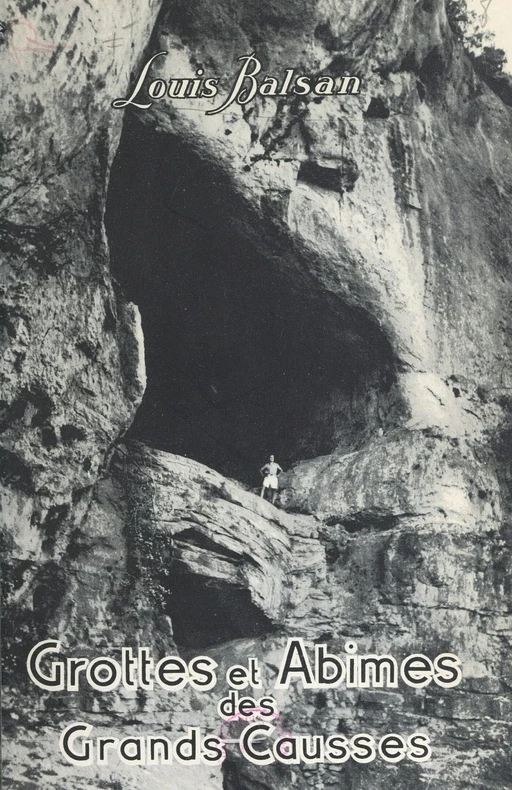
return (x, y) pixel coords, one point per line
(478, 42)
(488, 60)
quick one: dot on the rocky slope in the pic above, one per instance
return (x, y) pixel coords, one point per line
(370, 234)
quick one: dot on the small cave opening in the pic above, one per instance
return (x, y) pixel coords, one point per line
(246, 353)
(205, 612)
(205, 609)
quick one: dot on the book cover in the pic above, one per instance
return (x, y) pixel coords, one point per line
(255, 396)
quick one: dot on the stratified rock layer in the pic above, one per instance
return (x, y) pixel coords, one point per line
(391, 209)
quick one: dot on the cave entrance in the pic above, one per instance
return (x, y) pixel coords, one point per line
(205, 613)
(245, 355)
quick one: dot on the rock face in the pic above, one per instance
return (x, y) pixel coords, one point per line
(228, 539)
(352, 315)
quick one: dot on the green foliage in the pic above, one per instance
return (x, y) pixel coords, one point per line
(151, 556)
(478, 42)
(465, 25)
(490, 62)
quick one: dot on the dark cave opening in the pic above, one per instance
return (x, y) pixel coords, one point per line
(245, 354)
(205, 612)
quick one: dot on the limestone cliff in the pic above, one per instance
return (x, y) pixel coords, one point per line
(327, 278)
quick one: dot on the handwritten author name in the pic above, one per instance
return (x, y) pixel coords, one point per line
(248, 83)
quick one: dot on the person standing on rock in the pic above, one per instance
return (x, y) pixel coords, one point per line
(270, 472)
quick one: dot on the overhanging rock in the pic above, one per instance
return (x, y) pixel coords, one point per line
(246, 558)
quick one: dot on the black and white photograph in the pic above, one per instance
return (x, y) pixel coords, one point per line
(256, 394)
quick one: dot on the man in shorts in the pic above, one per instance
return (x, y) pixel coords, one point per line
(270, 472)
